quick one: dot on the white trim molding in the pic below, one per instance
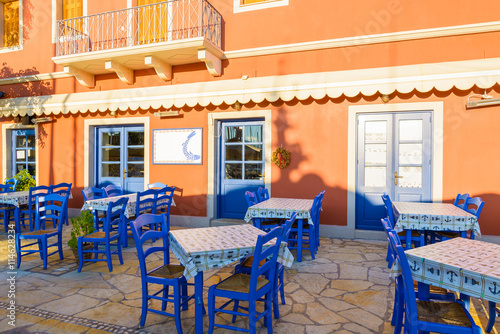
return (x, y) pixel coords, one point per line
(239, 7)
(436, 109)
(8, 150)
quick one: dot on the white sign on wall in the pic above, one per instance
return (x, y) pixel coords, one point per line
(178, 146)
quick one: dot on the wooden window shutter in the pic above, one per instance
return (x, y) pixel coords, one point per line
(11, 23)
(72, 8)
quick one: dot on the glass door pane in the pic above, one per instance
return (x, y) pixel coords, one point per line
(111, 154)
(135, 154)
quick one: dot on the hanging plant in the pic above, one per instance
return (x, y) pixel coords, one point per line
(281, 157)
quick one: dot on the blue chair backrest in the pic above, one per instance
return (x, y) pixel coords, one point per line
(156, 185)
(51, 206)
(262, 194)
(93, 193)
(251, 198)
(113, 190)
(12, 182)
(145, 201)
(164, 200)
(266, 268)
(389, 209)
(474, 205)
(460, 200)
(409, 289)
(115, 215)
(34, 192)
(141, 237)
(62, 189)
(4, 188)
(287, 227)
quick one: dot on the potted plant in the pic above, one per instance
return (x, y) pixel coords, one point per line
(24, 180)
(81, 225)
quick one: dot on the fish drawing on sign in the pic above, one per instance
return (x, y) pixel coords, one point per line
(189, 155)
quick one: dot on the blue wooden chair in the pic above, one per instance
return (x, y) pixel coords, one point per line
(318, 216)
(27, 211)
(262, 194)
(166, 275)
(48, 207)
(460, 200)
(436, 293)
(473, 205)
(62, 189)
(417, 237)
(245, 267)
(303, 236)
(5, 209)
(428, 315)
(95, 193)
(264, 224)
(109, 237)
(242, 287)
(145, 203)
(164, 201)
(112, 190)
(12, 182)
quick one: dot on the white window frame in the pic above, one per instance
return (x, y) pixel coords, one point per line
(20, 45)
(57, 14)
(7, 146)
(238, 7)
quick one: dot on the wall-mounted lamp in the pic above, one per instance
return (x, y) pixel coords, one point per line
(2, 94)
(166, 113)
(237, 105)
(41, 120)
(112, 112)
(385, 98)
(486, 100)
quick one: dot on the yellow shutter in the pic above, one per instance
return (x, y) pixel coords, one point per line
(152, 22)
(11, 23)
(72, 8)
(252, 1)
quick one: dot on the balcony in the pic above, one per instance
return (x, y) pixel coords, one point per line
(160, 35)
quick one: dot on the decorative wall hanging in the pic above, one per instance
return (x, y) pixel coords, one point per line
(281, 157)
(178, 146)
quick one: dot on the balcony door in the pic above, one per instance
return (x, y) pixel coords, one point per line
(72, 9)
(153, 21)
(394, 155)
(120, 157)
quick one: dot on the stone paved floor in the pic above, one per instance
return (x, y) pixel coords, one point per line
(346, 289)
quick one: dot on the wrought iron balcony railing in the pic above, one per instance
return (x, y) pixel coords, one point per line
(150, 24)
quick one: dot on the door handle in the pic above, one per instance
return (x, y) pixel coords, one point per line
(396, 177)
(124, 173)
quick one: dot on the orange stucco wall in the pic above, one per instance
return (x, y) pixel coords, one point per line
(315, 131)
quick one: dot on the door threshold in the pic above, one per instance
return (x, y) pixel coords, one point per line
(226, 222)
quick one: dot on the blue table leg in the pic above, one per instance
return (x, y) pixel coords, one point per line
(424, 291)
(492, 311)
(198, 304)
(17, 219)
(408, 239)
(466, 300)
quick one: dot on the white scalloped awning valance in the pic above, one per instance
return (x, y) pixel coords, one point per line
(483, 73)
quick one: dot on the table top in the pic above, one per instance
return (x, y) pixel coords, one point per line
(201, 249)
(468, 266)
(101, 204)
(281, 208)
(434, 216)
(18, 198)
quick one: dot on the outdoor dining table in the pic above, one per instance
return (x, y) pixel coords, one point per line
(282, 208)
(433, 217)
(201, 249)
(101, 204)
(17, 199)
(470, 267)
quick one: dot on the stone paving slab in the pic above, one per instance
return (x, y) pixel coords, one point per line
(346, 289)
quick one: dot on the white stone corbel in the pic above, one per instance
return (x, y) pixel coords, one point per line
(84, 78)
(214, 63)
(163, 69)
(124, 73)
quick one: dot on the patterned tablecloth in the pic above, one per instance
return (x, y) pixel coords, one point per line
(281, 208)
(467, 266)
(201, 249)
(17, 198)
(433, 216)
(101, 204)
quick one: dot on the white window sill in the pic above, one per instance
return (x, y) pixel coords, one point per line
(11, 49)
(239, 8)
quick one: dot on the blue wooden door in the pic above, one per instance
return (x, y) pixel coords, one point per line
(241, 165)
(394, 155)
(120, 157)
